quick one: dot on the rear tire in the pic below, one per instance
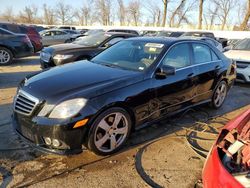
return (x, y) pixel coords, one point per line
(109, 131)
(6, 56)
(219, 95)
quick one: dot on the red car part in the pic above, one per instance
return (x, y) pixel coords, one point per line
(227, 164)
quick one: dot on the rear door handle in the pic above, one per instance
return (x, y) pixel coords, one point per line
(217, 67)
(190, 75)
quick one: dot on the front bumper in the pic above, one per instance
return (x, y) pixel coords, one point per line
(243, 75)
(35, 130)
(45, 65)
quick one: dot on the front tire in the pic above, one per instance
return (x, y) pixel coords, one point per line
(219, 95)
(110, 131)
(6, 56)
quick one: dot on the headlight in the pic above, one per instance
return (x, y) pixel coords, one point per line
(68, 108)
(59, 56)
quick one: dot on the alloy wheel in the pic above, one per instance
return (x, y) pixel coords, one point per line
(220, 94)
(111, 132)
(4, 57)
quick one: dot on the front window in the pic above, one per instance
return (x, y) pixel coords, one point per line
(92, 40)
(178, 56)
(242, 45)
(132, 55)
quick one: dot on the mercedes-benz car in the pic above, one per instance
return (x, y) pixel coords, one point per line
(241, 54)
(97, 103)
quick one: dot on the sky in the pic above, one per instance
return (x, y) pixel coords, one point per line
(18, 5)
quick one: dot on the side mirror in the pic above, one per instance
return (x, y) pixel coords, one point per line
(164, 71)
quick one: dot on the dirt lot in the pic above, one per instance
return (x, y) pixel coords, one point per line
(170, 153)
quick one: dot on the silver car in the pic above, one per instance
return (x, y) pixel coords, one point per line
(55, 36)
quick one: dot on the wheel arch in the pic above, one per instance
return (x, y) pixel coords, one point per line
(10, 49)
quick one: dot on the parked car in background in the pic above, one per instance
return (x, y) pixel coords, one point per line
(199, 34)
(149, 33)
(98, 103)
(131, 31)
(209, 40)
(241, 54)
(67, 27)
(82, 31)
(56, 36)
(83, 48)
(228, 162)
(13, 45)
(93, 32)
(169, 34)
(30, 31)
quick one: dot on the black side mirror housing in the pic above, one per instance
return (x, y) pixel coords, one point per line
(164, 71)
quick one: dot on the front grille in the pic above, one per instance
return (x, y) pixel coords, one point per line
(25, 103)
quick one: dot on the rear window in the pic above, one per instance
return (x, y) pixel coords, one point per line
(202, 53)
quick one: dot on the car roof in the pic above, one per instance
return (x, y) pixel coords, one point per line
(164, 40)
(120, 34)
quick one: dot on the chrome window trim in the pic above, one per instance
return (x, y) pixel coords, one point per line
(161, 60)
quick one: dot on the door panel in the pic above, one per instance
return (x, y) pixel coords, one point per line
(175, 92)
(206, 67)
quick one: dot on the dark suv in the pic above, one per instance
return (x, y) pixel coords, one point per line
(13, 45)
(30, 31)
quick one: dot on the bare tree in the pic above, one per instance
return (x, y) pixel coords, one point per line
(183, 13)
(121, 12)
(165, 9)
(83, 14)
(201, 2)
(63, 13)
(224, 9)
(48, 15)
(28, 14)
(243, 25)
(155, 13)
(134, 11)
(8, 15)
(104, 11)
(180, 13)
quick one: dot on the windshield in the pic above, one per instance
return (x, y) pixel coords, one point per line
(130, 54)
(242, 45)
(92, 40)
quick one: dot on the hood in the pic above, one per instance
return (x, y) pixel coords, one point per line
(82, 79)
(63, 47)
(240, 55)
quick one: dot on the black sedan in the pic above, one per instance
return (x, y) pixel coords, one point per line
(99, 102)
(83, 48)
(13, 45)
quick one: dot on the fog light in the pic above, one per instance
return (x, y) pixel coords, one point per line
(56, 143)
(47, 140)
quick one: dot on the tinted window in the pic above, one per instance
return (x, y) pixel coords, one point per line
(178, 56)
(59, 33)
(23, 30)
(201, 53)
(134, 55)
(214, 56)
(115, 40)
(243, 45)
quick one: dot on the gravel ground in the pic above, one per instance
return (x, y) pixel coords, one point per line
(166, 154)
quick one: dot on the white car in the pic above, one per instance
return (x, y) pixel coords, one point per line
(241, 54)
